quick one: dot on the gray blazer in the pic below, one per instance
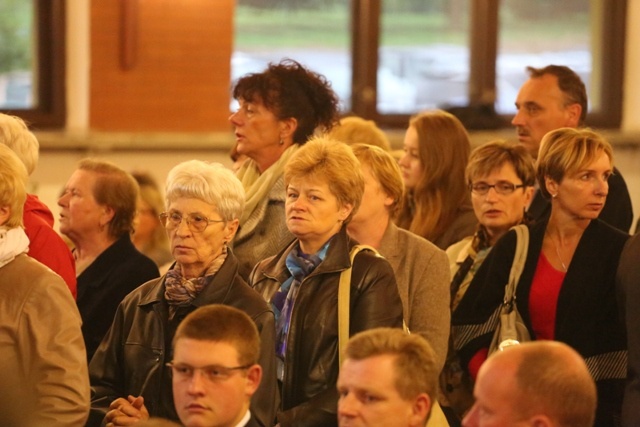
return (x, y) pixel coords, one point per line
(423, 276)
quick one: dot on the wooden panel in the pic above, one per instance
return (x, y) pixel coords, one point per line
(179, 79)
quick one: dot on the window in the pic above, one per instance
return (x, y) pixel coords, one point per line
(314, 33)
(389, 59)
(32, 60)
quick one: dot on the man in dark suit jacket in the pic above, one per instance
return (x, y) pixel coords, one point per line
(214, 370)
(555, 97)
(628, 286)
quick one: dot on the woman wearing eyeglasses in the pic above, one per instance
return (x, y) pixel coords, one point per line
(500, 177)
(204, 202)
(567, 288)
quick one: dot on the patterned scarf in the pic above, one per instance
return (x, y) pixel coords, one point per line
(180, 292)
(300, 266)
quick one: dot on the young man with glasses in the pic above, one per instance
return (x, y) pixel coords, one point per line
(215, 370)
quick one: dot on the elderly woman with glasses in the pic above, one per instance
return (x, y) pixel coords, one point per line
(128, 374)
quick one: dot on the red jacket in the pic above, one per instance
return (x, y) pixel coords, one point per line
(45, 244)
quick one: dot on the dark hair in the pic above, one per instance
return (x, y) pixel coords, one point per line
(569, 83)
(290, 90)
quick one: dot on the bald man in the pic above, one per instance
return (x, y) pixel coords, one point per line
(540, 383)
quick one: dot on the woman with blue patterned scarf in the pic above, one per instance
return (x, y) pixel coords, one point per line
(324, 185)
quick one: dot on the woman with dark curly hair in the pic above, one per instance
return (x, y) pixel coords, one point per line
(279, 109)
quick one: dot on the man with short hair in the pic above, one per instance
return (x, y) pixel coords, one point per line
(539, 383)
(388, 378)
(552, 98)
(215, 368)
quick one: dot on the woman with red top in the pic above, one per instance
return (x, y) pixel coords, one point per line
(567, 288)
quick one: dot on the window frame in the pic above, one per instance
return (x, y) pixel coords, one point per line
(484, 27)
(49, 24)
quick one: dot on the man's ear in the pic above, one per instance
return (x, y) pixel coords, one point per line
(573, 115)
(420, 410)
(254, 376)
(540, 420)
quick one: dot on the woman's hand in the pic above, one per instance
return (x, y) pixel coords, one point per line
(126, 412)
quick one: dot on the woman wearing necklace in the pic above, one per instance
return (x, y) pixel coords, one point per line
(567, 288)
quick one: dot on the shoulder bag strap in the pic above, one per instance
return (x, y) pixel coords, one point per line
(519, 259)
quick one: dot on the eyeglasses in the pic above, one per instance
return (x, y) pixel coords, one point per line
(213, 373)
(501, 187)
(196, 222)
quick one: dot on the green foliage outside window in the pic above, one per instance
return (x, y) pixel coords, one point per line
(16, 31)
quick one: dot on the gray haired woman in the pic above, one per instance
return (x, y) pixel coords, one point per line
(204, 202)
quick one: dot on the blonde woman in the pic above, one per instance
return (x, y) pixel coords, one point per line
(567, 288)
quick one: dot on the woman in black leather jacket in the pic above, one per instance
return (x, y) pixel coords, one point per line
(129, 376)
(324, 189)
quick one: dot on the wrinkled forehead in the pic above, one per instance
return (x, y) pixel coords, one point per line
(543, 90)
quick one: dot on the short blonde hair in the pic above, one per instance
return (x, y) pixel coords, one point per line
(415, 361)
(564, 151)
(386, 171)
(332, 161)
(15, 134)
(356, 130)
(13, 181)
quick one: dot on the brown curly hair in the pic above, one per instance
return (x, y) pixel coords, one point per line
(290, 90)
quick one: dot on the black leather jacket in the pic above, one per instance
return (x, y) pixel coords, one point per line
(309, 396)
(131, 359)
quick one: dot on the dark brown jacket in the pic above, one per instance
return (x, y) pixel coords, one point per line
(309, 396)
